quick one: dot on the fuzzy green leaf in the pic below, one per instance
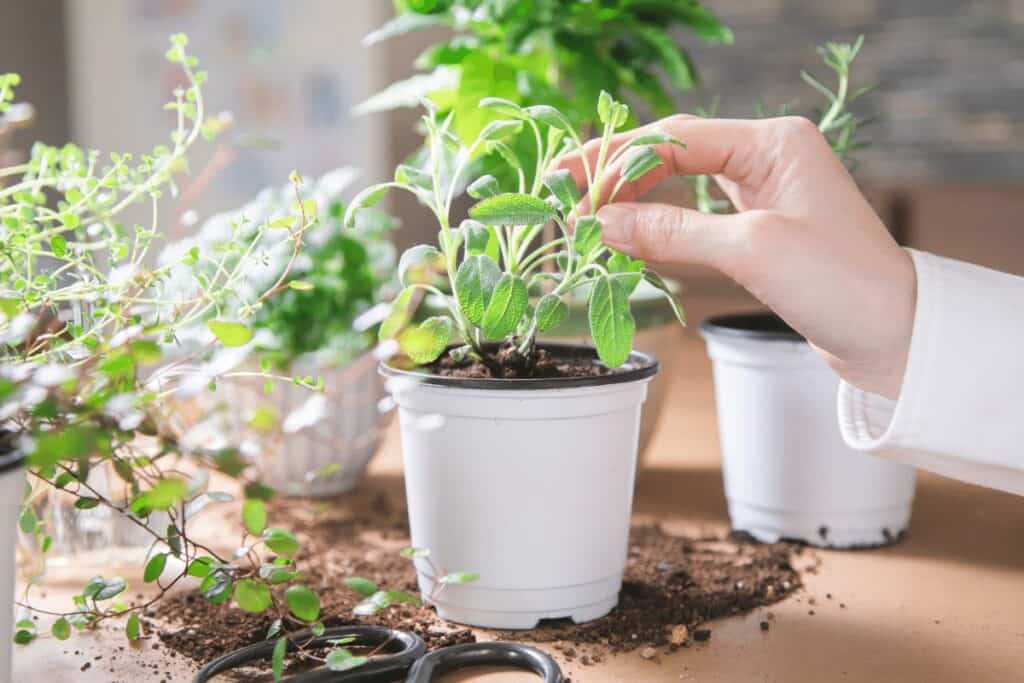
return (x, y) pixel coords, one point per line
(549, 116)
(399, 315)
(303, 603)
(506, 308)
(656, 139)
(563, 187)
(426, 342)
(587, 236)
(551, 311)
(475, 281)
(639, 163)
(501, 106)
(483, 187)
(476, 235)
(415, 263)
(363, 200)
(230, 333)
(630, 270)
(513, 209)
(343, 660)
(499, 130)
(611, 322)
(658, 283)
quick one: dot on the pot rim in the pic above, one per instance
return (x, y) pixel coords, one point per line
(751, 325)
(639, 366)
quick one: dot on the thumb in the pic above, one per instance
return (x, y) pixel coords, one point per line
(670, 234)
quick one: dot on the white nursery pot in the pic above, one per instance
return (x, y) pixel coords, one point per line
(528, 483)
(12, 487)
(788, 473)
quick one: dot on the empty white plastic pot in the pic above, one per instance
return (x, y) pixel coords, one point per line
(528, 483)
(12, 487)
(788, 473)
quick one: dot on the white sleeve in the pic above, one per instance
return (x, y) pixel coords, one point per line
(961, 409)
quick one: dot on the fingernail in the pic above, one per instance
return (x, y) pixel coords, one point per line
(617, 223)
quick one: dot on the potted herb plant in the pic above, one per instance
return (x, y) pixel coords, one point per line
(560, 53)
(788, 473)
(307, 443)
(519, 454)
(95, 346)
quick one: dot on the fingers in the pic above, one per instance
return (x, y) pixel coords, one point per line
(713, 146)
(672, 234)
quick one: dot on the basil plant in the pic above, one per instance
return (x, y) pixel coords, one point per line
(506, 276)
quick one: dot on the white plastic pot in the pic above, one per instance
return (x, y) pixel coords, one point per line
(12, 485)
(788, 473)
(528, 483)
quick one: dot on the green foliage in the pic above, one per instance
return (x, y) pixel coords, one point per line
(493, 260)
(99, 339)
(547, 52)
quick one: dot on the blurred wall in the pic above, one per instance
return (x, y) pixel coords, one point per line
(32, 44)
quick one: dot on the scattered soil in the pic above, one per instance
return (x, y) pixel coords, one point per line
(673, 585)
(508, 363)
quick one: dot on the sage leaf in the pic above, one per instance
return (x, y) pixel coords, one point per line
(230, 333)
(648, 139)
(426, 342)
(629, 270)
(563, 187)
(551, 311)
(399, 315)
(658, 283)
(476, 236)
(483, 187)
(474, 283)
(513, 209)
(363, 200)
(640, 163)
(499, 130)
(417, 177)
(415, 263)
(501, 105)
(611, 323)
(506, 307)
(549, 116)
(588, 235)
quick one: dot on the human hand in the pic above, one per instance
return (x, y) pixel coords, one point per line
(804, 240)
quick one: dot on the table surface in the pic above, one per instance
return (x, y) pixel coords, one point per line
(945, 604)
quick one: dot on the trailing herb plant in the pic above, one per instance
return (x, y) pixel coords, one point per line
(494, 259)
(338, 276)
(96, 346)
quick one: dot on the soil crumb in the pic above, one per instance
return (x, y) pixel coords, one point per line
(672, 586)
(508, 363)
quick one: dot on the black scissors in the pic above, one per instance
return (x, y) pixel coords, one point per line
(405, 658)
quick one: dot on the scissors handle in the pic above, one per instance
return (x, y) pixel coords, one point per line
(448, 659)
(402, 648)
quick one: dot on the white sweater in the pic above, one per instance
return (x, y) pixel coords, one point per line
(961, 409)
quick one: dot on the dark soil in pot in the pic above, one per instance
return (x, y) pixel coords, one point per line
(551, 365)
(672, 586)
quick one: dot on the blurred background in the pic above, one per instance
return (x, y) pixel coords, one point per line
(945, 170)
